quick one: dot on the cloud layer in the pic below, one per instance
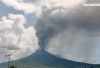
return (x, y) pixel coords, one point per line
(63, 27)
(15, 38)
(20, 5)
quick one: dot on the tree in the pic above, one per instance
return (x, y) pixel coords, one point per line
(85, 67)
(99, 65)
(91, 67)
(12, 66)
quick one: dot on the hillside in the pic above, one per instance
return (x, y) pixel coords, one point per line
(43, 59)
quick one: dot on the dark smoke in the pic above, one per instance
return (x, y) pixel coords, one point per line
(75, 29)
(46, 29)
(49, 25)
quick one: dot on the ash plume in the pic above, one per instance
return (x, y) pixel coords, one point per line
(46, 29)
(77, 27)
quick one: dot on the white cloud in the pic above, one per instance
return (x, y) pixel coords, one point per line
(82, 59)
(20, 5)
(62, 3)
(36, 6)
(69, 56)
(14, 33)
(15, 38)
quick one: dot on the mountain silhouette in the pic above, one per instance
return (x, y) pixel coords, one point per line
(43, 59)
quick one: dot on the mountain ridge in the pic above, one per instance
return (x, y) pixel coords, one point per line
(42, 58)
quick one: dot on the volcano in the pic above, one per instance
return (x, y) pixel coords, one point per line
(43, 59)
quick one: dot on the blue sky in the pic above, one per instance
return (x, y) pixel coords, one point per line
(74, 32)
(5, 10)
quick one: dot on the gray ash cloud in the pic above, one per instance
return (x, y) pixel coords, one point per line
(79, 22)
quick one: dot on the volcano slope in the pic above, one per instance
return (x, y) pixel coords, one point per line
(43, 59)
